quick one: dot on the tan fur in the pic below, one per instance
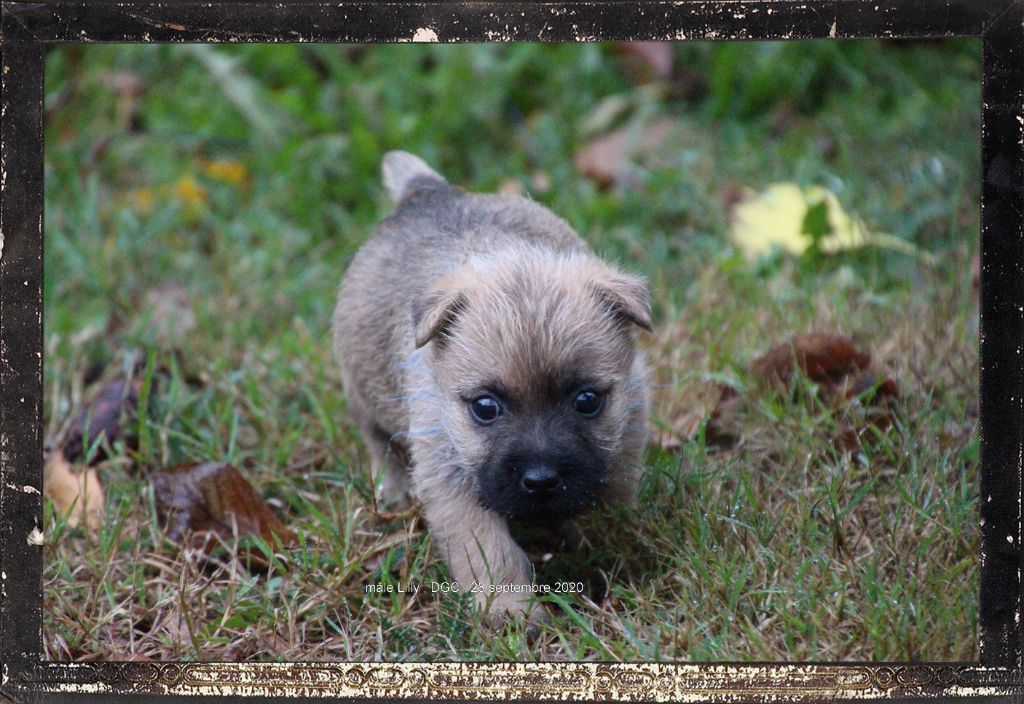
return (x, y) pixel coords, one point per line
(457, 289)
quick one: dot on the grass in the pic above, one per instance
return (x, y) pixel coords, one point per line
(237, 182)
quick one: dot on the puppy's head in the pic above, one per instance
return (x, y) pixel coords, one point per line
(536, 360)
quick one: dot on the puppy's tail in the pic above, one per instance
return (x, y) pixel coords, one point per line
(401, 171)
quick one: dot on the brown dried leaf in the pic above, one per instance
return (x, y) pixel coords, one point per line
(213, 498)
(102, 416)
(77, 494)
(870, 408)
(865, 401)
(730, 195)
(884, 390)
(607, 158)
(826, 358)
(654, 59)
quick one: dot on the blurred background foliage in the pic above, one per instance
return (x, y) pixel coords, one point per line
(273, 152)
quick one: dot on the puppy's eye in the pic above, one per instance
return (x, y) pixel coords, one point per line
(485, 409)
(588, 403)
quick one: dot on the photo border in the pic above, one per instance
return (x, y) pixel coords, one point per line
(26, 28)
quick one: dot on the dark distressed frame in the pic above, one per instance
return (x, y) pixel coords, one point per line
(26, 27)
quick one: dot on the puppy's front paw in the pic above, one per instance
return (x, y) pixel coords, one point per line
(505, 608)
(391, 500)
(394, 490)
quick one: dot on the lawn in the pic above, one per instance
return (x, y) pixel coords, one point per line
(202, 203)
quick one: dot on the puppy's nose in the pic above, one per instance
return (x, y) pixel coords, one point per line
(540, 478)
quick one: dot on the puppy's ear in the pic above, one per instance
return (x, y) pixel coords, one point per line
(434, 312)
(401, 169)
(626, 297)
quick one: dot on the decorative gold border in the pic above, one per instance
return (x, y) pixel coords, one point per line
(27, 26)
(634, 682)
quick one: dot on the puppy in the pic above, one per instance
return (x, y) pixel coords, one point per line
(490, 360)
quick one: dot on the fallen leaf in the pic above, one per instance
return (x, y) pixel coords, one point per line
(74, 493)
(102, 416)
(824, 357)
(227, 170)
(796, 219)
(214, 499)
(864, 402)
(188, 191)
(170, 313)
(608, 158)
(653, 58)
(873, 389)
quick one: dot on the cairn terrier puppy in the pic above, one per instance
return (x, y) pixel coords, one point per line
(490, 360)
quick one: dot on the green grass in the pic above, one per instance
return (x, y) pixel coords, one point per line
(783, 548)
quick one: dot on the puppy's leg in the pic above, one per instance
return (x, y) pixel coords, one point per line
(481, 553)
(627, 471)
(388, 467)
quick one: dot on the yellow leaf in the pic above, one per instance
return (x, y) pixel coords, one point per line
(189, 192)
(141, 199)
(226, 170)
(775, 218)
(76, 494)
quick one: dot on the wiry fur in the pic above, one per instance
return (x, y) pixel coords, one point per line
(460, 292)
